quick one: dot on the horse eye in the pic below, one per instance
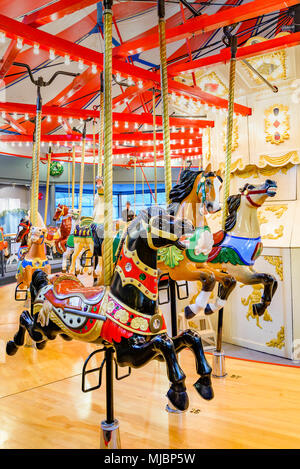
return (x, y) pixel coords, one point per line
(250, 186)
(208, 183)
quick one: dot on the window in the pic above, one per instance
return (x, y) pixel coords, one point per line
(122, 193)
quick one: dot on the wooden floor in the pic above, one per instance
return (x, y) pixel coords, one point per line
(42, 406)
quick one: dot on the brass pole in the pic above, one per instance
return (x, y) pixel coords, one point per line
(36, 160)
(134, 185)
(47, 186)
(82, 169)
(233, 45)
(32, 178)
(94, 158)
(108, 141)
(101, 133)
(154, 146)
(73, 177)
(165, 98)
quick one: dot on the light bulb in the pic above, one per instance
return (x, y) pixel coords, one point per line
(51, 54)
(67, 60)
(19, 43)
(36, 49)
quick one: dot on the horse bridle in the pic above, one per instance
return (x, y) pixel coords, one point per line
(248, 192)
(24, 225)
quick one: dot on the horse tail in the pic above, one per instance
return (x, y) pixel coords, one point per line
(38, 281)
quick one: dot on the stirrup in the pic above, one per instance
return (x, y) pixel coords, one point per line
(19, 291)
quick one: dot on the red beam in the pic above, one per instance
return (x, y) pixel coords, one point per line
(184, 137)
(204, 23)
(61, 46)
(56, 11)
(259, 48)
(22, 108)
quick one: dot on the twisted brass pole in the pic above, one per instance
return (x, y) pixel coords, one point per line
(94, 158)
(229, 128)
(165, 97)
(36, 161)
(47, 186)
(101, 136)
(134, 185)
(108, 140)
(73, 176)
(32, 178)
(154, 146)
(82, 170)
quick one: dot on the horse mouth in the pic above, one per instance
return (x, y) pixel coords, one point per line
(272, 191)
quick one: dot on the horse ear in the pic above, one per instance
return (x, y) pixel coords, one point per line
(208, 168)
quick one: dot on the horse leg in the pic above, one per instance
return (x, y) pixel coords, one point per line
(26, 323)
(137, 351)
(208, 282)
(251, 277)
(227, 284)
(66, 257)
(18, 340)
(191, 339)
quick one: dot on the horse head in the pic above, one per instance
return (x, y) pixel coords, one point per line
(37, 235)
(61, 211)
(208, 186)
(23, 229)
(256, 195)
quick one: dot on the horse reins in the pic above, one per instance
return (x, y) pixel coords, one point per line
(247, 194)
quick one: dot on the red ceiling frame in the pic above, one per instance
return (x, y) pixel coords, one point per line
(22, 108)
(90, 57)
(204, 23)
(259, 48)
(117, 137)
(56, 11)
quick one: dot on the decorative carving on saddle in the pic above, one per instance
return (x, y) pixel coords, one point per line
(72, 302)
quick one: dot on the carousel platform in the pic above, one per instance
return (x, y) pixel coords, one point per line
(42, 406)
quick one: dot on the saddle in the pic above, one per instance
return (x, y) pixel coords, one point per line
(218, 239)
(67, 286)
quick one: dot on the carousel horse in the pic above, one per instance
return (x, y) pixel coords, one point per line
(83, 235)
(66, 226)
(35, 258)
(3, 244)
(237, 248)
(22, 236)
(124, 315)
(70, 240)
(195, 196)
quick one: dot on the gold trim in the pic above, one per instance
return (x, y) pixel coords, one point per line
(277, 161)
(278, 210)
(133, 255)
(253, 298)
(269, 130)
(277, 262)
(279, 342)
(278, 233)
(137, 283)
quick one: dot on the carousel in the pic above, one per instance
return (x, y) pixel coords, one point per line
(130, 325)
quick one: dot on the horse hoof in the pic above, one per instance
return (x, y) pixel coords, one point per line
(188, 313)
(258, 309)
(208, 310)
(179, 399)
(41, 345)
(11, 348)
(204, 387)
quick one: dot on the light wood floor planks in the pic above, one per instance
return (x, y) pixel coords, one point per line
(42, 406)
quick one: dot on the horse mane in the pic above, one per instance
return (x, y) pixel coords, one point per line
(181, 190)
(233, 203)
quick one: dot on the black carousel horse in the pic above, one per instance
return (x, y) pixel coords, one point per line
(124, 315)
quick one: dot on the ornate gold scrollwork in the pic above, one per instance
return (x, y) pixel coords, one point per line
(277, 262)
(279, 342)
(254, 298)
